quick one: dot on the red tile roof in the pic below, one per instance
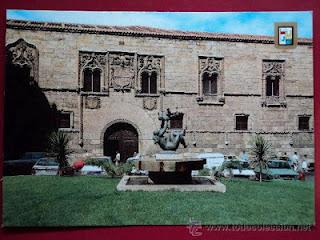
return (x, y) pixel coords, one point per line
(143, 31)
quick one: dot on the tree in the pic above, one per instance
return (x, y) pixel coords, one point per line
(58, 145)
(260, 149)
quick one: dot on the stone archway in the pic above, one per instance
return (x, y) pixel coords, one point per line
(122, 137)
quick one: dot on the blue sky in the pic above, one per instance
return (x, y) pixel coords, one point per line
(257, 23)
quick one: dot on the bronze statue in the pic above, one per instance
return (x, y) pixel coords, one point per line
(169, 141)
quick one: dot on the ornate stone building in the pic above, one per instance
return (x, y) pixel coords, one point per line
(109, 83)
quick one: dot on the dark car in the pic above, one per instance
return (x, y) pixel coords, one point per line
(277, 169)
(23, 165)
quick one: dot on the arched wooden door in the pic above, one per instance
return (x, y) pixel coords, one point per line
(122, 137)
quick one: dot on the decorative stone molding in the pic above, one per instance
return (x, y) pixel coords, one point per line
(121, 71)
(150, 103)
(273, 69)
(92, 102)
(92, 61)
(211, 66)
(21, 53)
(149, 64)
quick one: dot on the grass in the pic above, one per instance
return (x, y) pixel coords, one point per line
(87, 201)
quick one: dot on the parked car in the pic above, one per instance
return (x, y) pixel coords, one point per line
(231, 158)
(91, 170)
(23, 165)
(277, 169)
(46, 166)
(103, 158)
(237, 168)
(97, 161)
(33, 155)
(135, 158)
(213, 161)
(310, 166)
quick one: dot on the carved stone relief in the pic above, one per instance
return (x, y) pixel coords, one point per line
(92, 60)
(273, 68)
(121, 71)
(150, 103)
(210, 65)
(149, 63)
(21, 53)
(92, 102)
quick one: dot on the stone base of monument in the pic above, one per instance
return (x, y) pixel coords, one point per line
(170, 171)
(144, 183)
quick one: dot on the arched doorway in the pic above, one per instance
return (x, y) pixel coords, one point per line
(122, 137)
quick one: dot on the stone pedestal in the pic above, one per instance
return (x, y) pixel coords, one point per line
(170, 168)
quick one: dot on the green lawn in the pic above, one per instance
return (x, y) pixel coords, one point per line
(83, 201)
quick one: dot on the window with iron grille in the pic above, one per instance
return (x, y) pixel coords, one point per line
(64, 120)
(242, 122)
(304, 123)
(177, 122)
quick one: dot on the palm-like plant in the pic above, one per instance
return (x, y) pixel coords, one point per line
(260, 149)
(58, 145)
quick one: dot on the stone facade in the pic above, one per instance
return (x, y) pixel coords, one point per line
(239, 65)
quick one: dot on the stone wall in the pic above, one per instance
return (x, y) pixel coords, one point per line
(209, 124)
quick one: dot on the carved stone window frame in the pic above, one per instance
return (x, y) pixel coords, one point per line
(273, 68)
(93, 60)
(149, 64)
(21, 53)
(211, 65)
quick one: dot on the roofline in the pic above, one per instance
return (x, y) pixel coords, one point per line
(140, 31)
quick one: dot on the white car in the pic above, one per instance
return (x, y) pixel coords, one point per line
(45, 166)
(237, 169)
(135, 158)
(213, 161)
(91, 170)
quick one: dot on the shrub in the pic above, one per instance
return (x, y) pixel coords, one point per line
(118, 171)
(260, 149)
(204, 172)
(95, 162)
(58, 145)
(110, 168)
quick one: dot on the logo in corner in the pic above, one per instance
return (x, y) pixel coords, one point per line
(195, 228)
